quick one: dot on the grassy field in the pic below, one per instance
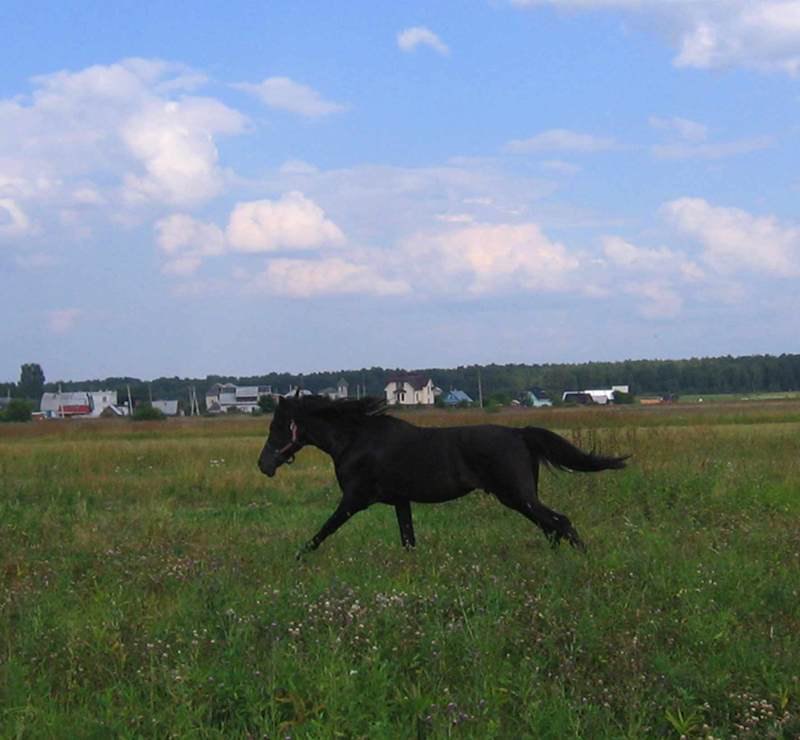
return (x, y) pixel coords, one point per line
(148, 588)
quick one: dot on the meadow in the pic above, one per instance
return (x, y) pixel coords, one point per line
(148, 588)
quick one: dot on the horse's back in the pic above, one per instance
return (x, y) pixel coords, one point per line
(442, 463)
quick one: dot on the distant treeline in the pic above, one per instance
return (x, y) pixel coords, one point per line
(751, 374)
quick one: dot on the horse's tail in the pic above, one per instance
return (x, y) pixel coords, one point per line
(552, 449)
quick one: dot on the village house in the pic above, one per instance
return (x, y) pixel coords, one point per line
(168, 408)
(410, 390)
(535, 397)
(601, 397)
(86, 404)
(340, 391)
(455, 397)
(223, 397)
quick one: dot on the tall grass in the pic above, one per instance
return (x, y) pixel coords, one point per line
(148, 588)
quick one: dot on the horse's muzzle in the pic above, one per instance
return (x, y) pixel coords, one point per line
(268, 464)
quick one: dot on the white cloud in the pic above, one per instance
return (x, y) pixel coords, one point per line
(628, 256)
(734, 239)
(174, 143)
(297, 167)
(87, 196)
(661, 300)
(455, 218)
(186, 242)
(286, 94)
(560, 139)
(109, 137)
(292, 222)
(708, 34)
(559, 167)
(689, 140)
(484, 258)
(303, 278)
(13, 221)
(178, 231)
(63, 320)
(711, 150)
(685, 128)
(410, 38)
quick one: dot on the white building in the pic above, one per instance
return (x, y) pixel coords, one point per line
(342, 390)
(602, 396)
(86, 404)
(168, 408)
(222, 397)
(410, 390)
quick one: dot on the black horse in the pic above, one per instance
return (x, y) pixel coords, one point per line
(383, 459)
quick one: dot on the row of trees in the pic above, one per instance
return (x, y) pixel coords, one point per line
(749, 374)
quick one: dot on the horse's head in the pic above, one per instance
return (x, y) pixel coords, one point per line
(282, 440)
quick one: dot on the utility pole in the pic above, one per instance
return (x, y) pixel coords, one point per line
(480, 389)
(130, 401)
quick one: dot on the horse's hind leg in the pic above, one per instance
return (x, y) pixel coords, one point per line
(556, 526)
(524, 499)
(403, 512)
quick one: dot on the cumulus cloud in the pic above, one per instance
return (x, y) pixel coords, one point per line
(174, 145)
(292, 222)
(123, 134)
(286, 94)
(289, 223)
(410, 38)
(710, 34)
(63, 320)
(303, 278)
(734, 239)
(186, 242)
(559, 139)
(628, 256)
(485, 258)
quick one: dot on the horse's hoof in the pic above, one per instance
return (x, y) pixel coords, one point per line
(577, 542)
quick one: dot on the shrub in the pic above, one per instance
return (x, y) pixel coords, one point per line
(145, 412)
(17, 410)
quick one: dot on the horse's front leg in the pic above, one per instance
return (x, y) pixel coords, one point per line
(347, 507)
(403, 511)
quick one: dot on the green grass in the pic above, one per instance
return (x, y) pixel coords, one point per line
(148, 588)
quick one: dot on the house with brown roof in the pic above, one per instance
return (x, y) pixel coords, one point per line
(410, 390)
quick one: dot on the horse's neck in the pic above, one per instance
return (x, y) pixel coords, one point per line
(329, 436)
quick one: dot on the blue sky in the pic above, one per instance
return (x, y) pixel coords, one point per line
(250, 187)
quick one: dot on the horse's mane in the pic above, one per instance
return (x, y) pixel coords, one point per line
(342, 408)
